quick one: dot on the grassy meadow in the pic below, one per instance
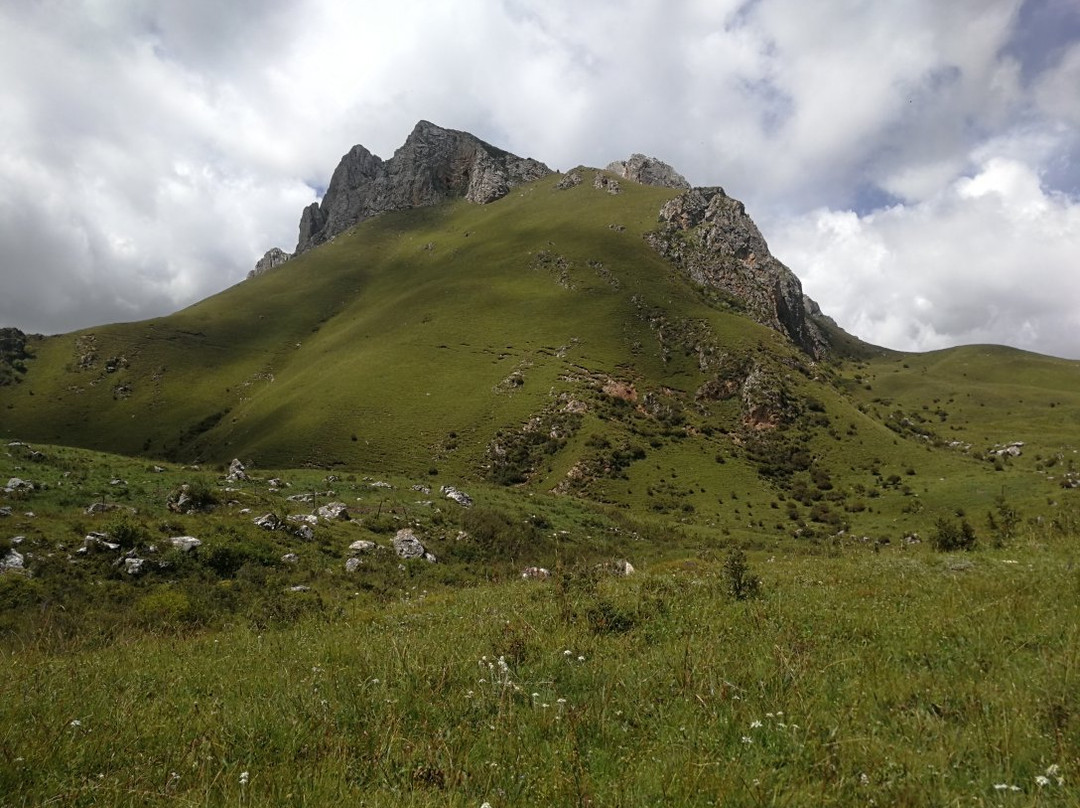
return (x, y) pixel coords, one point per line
(857, 673)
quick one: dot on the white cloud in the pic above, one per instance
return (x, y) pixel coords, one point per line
(992, 258)
(151, 150)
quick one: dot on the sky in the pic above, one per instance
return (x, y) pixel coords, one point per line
(916, 164)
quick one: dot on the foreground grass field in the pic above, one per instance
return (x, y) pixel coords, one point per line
(896, 677)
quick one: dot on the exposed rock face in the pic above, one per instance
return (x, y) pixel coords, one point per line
(708, 235)
(274, 257)
(434, 165)
(648, 171)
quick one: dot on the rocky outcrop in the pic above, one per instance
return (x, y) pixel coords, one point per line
(274, 257)
(434, 165)
(709, 236)
(648, 171)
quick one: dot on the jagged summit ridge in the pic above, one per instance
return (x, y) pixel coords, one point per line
(432, 166)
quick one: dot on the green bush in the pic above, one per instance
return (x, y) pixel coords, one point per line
(741, 583)
(950, 535)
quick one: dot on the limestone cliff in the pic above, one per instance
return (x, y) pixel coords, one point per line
(433, 165)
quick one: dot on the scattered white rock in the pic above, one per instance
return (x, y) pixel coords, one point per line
(100, 507)
(620, 567)
(290, 558)
(333, 512)
(18, 484)
(134, 566)
(185, 543)
(352, 564)
(363, 546)
(268, 521)
(460, 497)
(535, 574)
(12, 562)
(299, 588)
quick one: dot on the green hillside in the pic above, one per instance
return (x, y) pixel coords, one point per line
(834, 581)
(539, 341)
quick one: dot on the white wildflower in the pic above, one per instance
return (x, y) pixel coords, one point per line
(581, 659)
(755, 725)
(75, 723)
(244, 777)
(747, 739)
(1042, 780)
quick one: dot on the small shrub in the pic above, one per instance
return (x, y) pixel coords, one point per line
(741, 583)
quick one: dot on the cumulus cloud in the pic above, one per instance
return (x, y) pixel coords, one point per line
(991, 258)
(150, 151)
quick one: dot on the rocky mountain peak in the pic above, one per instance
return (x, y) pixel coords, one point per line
(710, 237)
(433, 165)
(648, 171)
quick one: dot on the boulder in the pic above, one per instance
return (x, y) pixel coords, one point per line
(100, 507)
(333, 512)
(620, 567)
(97, 541)
(602, 182)
(12, 562)
(134, 566)
(363, 546)
(185, 544)
(460, 497)
(571, 180)
(17, 484)
(268, 521)
(237, 472)
(406, 545)
(352, 564)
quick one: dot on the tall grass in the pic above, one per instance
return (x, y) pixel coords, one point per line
(890, 678)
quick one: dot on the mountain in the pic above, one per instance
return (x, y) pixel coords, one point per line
(434, 165)
(460, 313)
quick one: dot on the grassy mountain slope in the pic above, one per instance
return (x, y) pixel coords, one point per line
(539, 340)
